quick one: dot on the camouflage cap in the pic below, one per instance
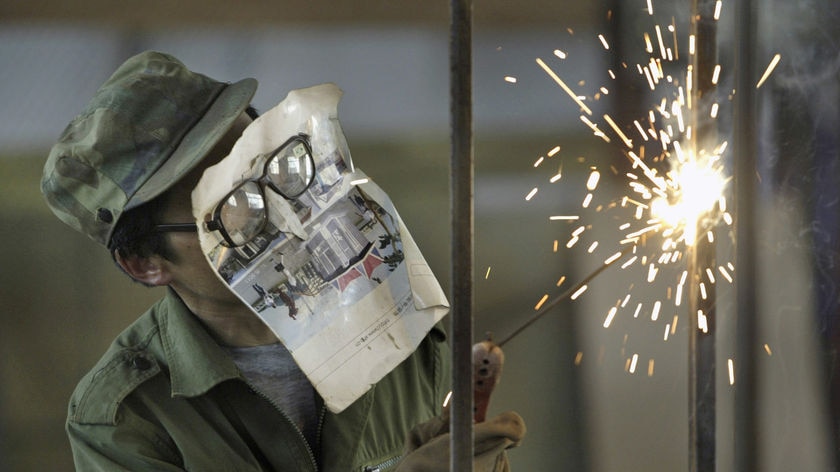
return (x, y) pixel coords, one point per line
(145, 128)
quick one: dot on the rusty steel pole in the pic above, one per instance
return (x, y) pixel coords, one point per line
(461, 195)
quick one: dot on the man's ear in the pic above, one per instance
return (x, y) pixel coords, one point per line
(150, 270)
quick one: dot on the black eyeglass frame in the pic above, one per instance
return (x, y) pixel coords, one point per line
(215, 223)
(176, 227)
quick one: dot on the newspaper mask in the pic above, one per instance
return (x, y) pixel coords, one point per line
(316, 250)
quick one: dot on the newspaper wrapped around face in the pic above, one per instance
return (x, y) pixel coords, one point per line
(334, 273)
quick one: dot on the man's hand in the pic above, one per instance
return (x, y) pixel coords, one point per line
(428, 447)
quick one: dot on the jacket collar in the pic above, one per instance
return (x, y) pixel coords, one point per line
(196, 361)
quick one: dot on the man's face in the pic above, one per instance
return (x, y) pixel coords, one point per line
(189, 268)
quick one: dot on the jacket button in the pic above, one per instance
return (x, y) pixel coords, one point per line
(104, 215)
(140, 363)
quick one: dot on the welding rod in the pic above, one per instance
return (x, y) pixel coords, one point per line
(568, 293)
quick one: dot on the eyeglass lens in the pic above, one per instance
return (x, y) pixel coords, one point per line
(243, 213)
(290, 171)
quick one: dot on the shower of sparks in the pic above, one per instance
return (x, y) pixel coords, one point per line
(673, 191)
(669, 196)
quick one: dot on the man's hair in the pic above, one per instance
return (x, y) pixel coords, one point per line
(135, 233)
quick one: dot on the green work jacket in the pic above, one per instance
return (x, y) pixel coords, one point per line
(166, 396)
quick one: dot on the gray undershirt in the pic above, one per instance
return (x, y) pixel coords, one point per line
(272, 371)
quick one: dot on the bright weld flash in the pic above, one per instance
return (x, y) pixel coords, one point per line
(699, 188)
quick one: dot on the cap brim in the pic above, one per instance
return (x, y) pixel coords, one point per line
(198, 142)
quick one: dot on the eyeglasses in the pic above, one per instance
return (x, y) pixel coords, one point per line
(241, 215)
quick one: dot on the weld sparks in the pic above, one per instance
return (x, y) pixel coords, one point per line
(673, 193)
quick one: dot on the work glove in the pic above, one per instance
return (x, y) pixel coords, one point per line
(427, 446)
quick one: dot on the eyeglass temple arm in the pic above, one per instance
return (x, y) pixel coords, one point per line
(177, 227)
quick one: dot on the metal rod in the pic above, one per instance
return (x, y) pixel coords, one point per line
(701, 343)
(461, 320)
(747, 432)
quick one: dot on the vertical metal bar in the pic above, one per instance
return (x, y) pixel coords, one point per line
(701, 344)
(461, 320)
(744, 144)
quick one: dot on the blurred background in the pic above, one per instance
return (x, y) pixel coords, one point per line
(63, 301)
